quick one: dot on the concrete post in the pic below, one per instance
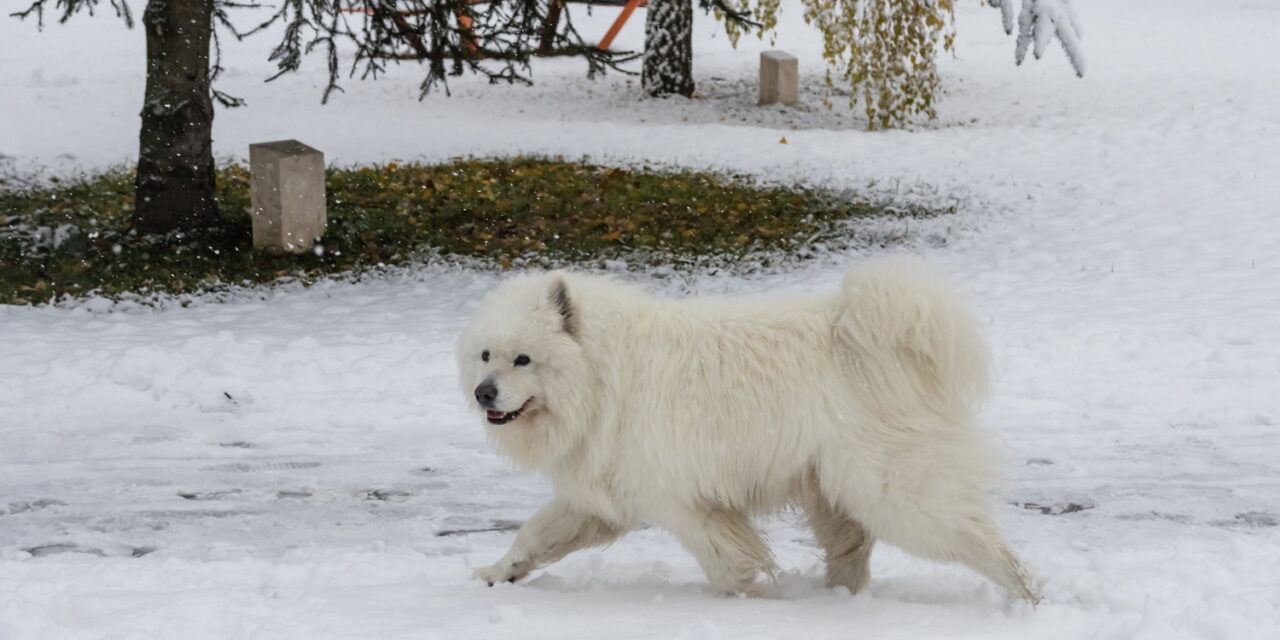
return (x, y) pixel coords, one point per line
(779, 77)
(287, 193)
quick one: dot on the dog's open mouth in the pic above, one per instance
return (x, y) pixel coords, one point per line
(498, 417)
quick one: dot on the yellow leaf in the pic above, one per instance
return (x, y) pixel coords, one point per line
(783, 140)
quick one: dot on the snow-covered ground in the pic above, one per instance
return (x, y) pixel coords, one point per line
(302, 465)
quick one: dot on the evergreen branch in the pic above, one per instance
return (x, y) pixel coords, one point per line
(735, 16)
(71, 7)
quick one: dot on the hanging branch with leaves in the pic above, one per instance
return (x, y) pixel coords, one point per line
(885, 50)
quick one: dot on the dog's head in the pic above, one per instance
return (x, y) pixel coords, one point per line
(522, 366)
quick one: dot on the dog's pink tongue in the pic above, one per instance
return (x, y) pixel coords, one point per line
(494, 414)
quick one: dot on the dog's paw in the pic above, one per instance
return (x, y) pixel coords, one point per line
(498, 573)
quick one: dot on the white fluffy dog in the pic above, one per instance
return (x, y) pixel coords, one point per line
(857, 406)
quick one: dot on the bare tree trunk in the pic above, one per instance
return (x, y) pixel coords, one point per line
(668, 48)
(547, 36)
(175, 183)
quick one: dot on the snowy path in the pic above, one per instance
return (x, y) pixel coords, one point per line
(286, 467)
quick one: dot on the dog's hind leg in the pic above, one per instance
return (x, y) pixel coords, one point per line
(961, 531)
(727, 546)
(981, 547)
(977, 543)
(554, 532)
(845, 543)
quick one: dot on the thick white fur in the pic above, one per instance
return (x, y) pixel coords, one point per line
(694, 416)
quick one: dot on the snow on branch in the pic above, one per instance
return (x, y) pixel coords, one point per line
(1038, 23)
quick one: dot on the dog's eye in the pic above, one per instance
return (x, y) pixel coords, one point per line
(522, 360)
(484, 355)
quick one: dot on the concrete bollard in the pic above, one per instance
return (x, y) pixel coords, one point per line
(287, 194)
(779, 77)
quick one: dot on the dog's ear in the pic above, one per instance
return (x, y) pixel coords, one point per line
(560, 301)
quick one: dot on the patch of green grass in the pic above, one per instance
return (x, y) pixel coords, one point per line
(74, 237)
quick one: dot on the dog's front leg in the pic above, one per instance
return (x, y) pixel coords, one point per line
(728, 547)
(555, 531)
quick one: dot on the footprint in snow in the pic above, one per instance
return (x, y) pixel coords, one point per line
(208, 495)
(1157, 515)
(44, 550)
(245, 467)
(1057, 508)
(387, 495)
(497, 525)
(33, 505)
(1252, 519)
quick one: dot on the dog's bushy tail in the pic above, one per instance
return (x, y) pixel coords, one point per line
(912, 344)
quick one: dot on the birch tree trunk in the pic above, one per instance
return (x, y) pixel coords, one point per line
(668, 48)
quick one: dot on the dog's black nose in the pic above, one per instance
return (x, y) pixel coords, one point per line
(486, 393)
